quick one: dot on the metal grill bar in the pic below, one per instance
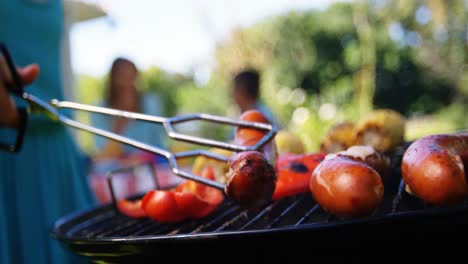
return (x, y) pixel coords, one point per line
(216, 220)
(308, 215)
(165, 229)
(80, 229)
(117, 230)
(154, 229)
(191, 225)
(145, 229)
(285, 212)
(397, 198)
(243, 214)
(106, 226)
(141, 225)
(259, 216)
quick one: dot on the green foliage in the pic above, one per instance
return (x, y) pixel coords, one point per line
(318, 66)
(203, 99)
(90, 91)
(166, 85)
(323, 54)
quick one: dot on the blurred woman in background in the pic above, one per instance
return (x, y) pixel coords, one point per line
(122, 94)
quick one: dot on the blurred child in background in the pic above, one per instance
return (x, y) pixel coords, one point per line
(246, 93)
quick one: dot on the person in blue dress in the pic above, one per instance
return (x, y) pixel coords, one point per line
(46, 179)
(122, 94)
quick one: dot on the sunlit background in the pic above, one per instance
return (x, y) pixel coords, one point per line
(322, 62)
(178, 36)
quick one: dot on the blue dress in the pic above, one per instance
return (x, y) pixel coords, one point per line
(46, 180)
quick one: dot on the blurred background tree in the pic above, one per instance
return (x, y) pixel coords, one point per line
(323, 67)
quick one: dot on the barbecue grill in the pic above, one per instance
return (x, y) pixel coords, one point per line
(104, 235)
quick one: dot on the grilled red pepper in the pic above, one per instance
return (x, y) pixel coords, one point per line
(131, 209)
(189, 200)
(294, 172)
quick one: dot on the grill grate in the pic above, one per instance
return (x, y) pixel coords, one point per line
(292, 211)
(104, 234)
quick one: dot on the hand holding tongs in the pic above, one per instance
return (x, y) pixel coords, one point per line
(16, 88)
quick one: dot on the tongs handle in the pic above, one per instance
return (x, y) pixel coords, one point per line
(14, 86)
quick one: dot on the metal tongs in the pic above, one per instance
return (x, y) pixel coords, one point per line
(52, 108)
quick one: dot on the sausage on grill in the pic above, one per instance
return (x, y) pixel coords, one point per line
(251, 179)
(434, 168)
(348, 184)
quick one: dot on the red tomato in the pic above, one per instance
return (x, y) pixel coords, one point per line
(247, 136)
(294, 173)
(188, 200)
(198, 200)
(131, 208)
(162, 206)
(192, 206)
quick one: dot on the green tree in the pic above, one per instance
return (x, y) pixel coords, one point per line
(343, 62)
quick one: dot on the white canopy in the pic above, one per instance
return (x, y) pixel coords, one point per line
(75, 11)
(78, 11)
